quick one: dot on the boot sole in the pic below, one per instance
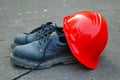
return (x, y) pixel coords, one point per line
(69, 59)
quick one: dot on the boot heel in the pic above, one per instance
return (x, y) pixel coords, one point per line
(69, 62)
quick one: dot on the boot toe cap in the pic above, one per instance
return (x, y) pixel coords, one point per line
(27, 52)
(20, 39)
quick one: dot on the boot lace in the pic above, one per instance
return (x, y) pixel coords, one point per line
(41, 30)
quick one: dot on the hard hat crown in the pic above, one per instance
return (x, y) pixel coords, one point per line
(87, 35)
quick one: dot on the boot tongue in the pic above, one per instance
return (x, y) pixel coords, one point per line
(55, 35)
(53, 25)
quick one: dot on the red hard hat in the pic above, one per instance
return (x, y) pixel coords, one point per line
(86, 33)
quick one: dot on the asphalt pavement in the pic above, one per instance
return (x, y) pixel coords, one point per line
(18, 16)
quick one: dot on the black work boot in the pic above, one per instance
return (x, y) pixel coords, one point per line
(49, 50)
(35, 34)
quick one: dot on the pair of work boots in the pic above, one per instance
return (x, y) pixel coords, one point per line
(42, 48)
